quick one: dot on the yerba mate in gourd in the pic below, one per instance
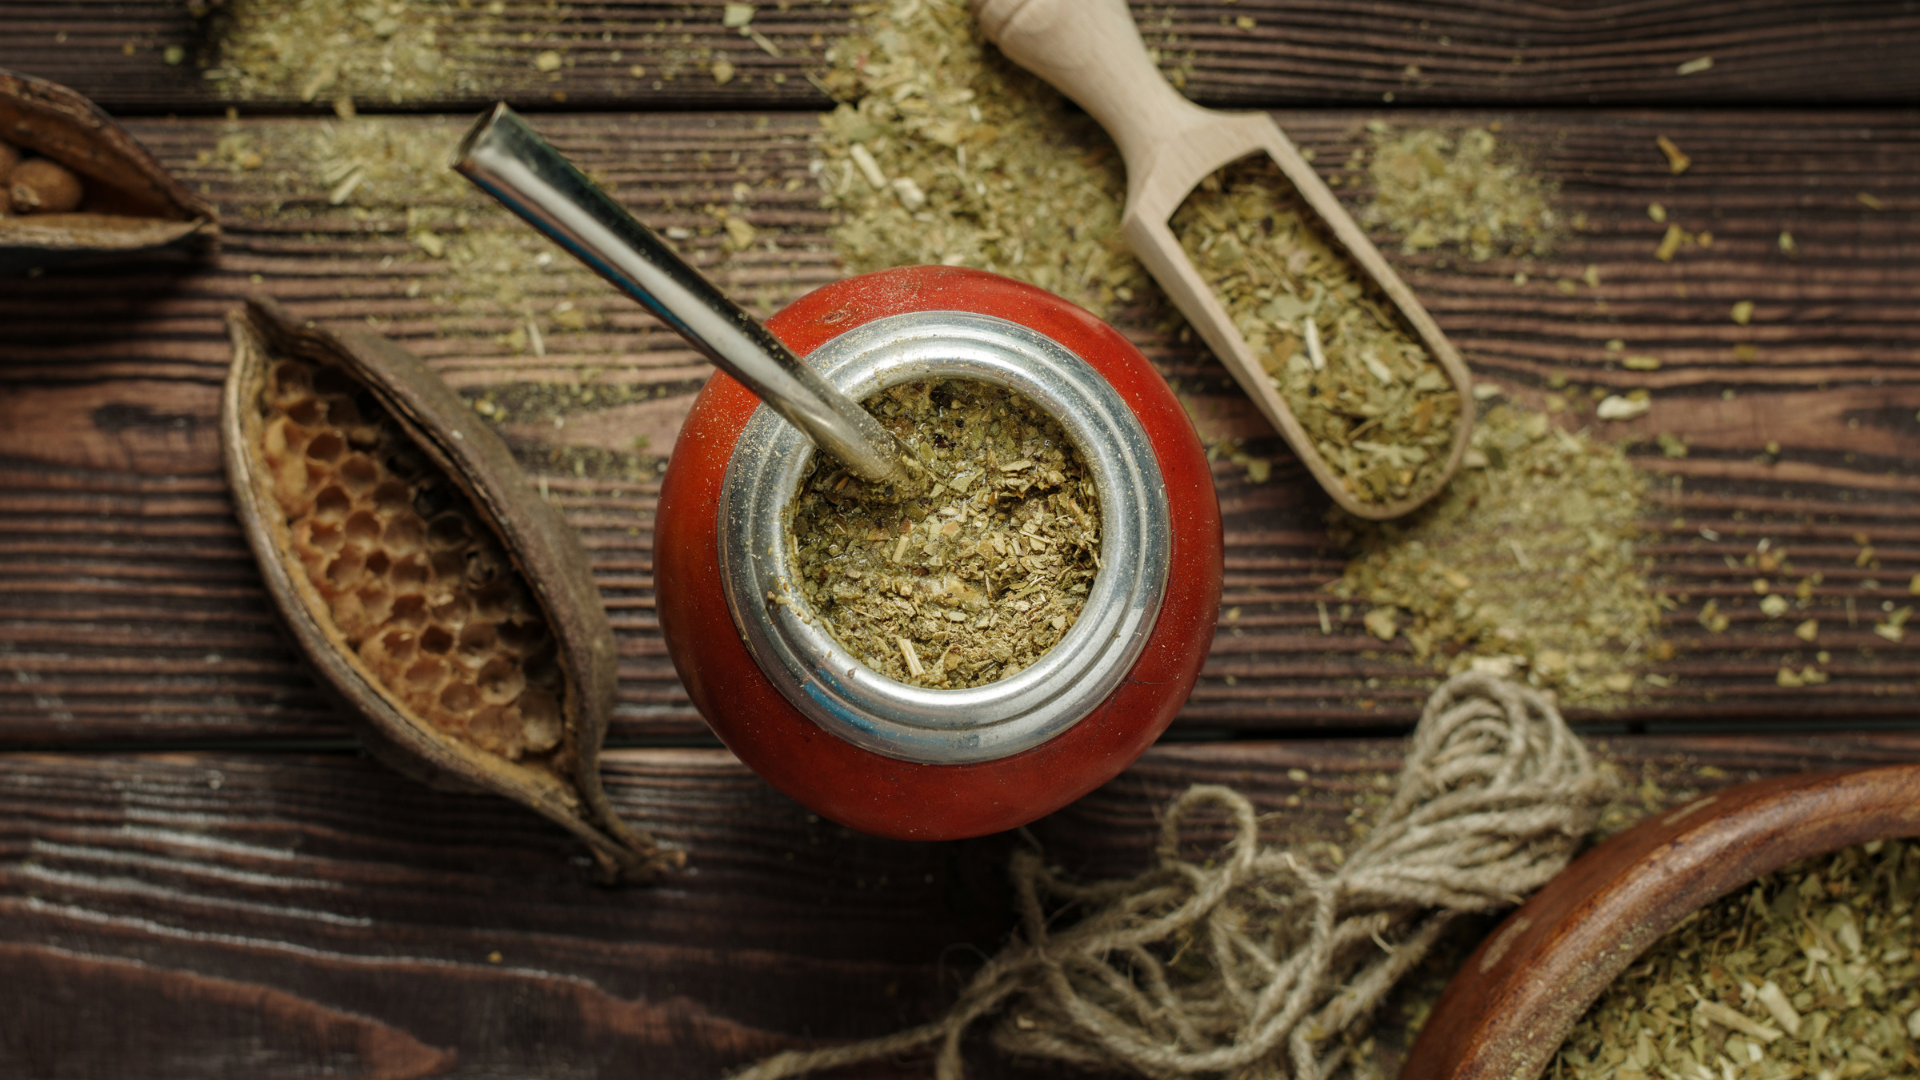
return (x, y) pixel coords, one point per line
(448, 604)
(981, 574)
(1101, 484)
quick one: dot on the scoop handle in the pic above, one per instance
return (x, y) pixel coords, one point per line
(1091, 51)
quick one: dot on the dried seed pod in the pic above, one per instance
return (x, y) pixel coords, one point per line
(40, 186)
(446, 602)
(9, 157)
(129, 202)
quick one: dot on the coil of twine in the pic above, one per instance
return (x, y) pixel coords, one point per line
(1255, 957)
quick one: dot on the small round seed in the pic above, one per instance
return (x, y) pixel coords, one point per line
(40, 186)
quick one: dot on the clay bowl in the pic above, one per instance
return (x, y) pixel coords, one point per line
(1511, 1005)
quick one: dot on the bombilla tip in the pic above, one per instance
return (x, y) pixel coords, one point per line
(482, 127)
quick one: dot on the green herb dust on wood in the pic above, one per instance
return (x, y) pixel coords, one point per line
(1460, 189)
(973, 581)
(1527, 562)
(396, 51)
(945, 152)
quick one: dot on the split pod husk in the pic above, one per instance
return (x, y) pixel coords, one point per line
(128, 202)
(435, 592)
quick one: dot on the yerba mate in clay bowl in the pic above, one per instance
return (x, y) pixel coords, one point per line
(1512, 1004)
(75, 181)
(962, 657)
(437, 595)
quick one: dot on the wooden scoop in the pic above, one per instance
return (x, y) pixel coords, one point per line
(1510, 1007)
(1092, 52)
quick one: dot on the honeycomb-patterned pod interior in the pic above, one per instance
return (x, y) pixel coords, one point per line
(445, 602)
(415, 582)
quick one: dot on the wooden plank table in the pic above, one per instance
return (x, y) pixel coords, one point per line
(200, 875)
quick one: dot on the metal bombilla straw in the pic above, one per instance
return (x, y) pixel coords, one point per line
(508, 160)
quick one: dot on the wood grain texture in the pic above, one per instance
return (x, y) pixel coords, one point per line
(278, 912)
(215, 1027)
(1516, 998)
(1467, 52)
(132, 610)
(117, 53)
(1486, 51)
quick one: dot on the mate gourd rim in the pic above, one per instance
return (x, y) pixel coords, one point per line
(830, 686)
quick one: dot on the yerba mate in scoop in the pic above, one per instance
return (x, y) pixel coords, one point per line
(1092, 51)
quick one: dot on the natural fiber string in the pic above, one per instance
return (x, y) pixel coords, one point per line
(1255, 956)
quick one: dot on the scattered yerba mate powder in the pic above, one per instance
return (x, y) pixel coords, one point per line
(1460, 189)
(1527, 561)
(944, 151)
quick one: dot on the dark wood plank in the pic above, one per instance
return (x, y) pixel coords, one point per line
(1487, 51)
(131, 609)
(179, 913)
(1470, 52)
(117, 53)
